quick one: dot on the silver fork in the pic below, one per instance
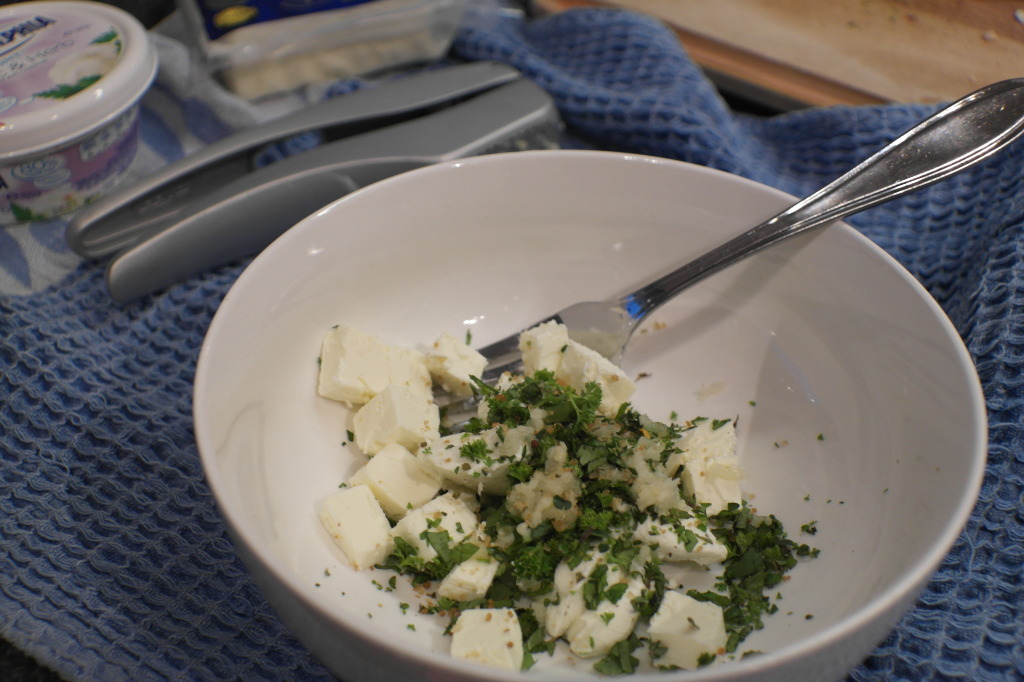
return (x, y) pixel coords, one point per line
(958, 136)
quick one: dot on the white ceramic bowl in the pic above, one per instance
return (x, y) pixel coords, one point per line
(824, 334)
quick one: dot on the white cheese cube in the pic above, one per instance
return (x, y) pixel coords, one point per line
(595, 631)
(687, 629)
(444, 513)
(705, 441)
(399, 481)
(470, 579)
(491, 637)
(398, 414)
(568, 596)
(682, 540)
(451, 363)
(357, 524)
(711, 470)
(542, 346)
(477, 461)
(467, 496)
(356, 366)
(581, 365)
(718, 492)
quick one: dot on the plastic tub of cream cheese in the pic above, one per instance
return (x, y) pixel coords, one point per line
(71, 77)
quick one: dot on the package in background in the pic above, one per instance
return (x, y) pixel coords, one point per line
(72, 75)
(263, 47)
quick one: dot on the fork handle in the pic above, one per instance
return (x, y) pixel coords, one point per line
(960, 135)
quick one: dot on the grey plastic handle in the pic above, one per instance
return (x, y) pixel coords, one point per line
(244, 216)
(138, 210)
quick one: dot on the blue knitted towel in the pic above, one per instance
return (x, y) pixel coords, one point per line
(115, 563)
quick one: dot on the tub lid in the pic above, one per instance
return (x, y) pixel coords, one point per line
(66, 69)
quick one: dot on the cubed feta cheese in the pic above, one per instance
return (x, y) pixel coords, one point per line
(477, 461)
(567, 599)
(710, 467)
(469, 497)
(356, 366)
(470, 579)
(491, 637)
(681, 540)
(398, 414)
(444, 513)
(399, 481)
(452, 362)
(686, 629)
(581, 365)
(542, 346)
(595, 631)
(357, 524)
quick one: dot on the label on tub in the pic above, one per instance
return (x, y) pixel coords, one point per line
(50, 55)
(49, 185)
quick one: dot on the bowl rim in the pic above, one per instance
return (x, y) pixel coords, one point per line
(892, 603)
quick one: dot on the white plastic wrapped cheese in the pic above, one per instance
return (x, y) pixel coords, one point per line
(264, 47)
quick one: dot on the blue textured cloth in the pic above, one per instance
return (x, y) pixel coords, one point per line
(114, 561)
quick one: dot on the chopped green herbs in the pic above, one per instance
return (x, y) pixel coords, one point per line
(620, 659)
(573, 509)
(477, 451)
(760, 554)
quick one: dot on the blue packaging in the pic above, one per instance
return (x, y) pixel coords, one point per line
(259, 48)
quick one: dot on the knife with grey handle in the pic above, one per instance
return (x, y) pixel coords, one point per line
(141, 209)
(241, 217)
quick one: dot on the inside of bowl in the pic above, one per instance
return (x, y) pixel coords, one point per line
(857, 413)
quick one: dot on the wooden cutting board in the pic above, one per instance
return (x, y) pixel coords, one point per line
(792, 53)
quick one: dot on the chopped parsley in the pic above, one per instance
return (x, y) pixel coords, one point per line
(579, 509)
(477, 451)
(760, 554)
(620, 659)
